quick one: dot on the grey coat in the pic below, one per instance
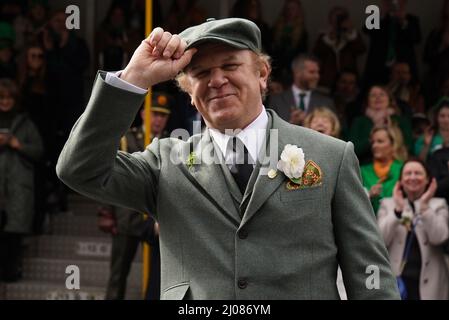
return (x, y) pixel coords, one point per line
(17, 175)
(283, 102)
(276, 244)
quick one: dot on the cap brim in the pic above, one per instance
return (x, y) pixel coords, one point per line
(228, 42)
(161, 110)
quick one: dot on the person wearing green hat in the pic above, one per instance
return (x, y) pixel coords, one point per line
(231, 226)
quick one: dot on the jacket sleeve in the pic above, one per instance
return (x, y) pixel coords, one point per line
(361, 247)
(90, 162)
(435, 221)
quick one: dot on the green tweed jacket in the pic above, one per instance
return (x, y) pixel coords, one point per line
(215, 243)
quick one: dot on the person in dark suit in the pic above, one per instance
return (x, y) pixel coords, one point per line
(235, 222)
(302, 97)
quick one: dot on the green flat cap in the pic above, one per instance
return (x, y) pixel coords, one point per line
(236, 32)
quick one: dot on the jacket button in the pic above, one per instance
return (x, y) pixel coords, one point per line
(426, 280)
(242, 283)
(427, 263)
(243, 234)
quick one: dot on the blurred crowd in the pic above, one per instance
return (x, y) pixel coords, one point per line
(396, 115)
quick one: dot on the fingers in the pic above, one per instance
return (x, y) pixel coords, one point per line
(173, 46)
(180, 49)
(155, 36)
(185, 59)
(164, 44)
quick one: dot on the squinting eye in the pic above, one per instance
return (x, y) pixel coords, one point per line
(230, 67)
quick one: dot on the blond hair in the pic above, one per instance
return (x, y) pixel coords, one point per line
(326, 113)
(395, 135)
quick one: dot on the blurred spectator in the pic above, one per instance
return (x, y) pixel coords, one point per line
(420, 123)
(275, 85)
(347, 99)
(8, 68)
(34, 100)
(380, 110)
(20, 146)
(394, 41)
(12, 12)
(252, 10)
(436, 55)
(134, 11)
(38, 14)
(183, 14)
(289, 36)
(67, 59)
(10, 9)
(293, 104)
(414, 224)
(433, 136)
(380, 176)
(323, 120)
(339, 47)
(405, 89)
(439, 165)
(111, 41)
(129, 228)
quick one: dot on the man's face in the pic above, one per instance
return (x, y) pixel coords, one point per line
(158, 122)
(347, 84)
(307, 78)
(57, 23)
(225, 86)
(401, 73)
(6, 102)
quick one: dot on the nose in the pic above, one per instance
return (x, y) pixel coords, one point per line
(217, 78)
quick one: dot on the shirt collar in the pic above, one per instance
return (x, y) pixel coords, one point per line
(297, 91)
(253, 136)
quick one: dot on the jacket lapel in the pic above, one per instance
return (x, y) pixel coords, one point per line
(209, 177)
(264, 187)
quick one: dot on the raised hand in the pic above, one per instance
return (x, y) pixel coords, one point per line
(159, 58)
(398, 197)
(429, 194)
(375, 190)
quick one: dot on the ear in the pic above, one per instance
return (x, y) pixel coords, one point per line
(264, 73)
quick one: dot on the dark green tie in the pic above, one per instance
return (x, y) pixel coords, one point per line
(302, 103)
(241, 168)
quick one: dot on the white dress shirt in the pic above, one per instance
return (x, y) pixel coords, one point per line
(253, 137)
(296, 91)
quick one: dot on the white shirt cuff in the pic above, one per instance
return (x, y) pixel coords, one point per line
(113, 79)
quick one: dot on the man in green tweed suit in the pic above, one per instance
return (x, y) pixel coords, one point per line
(264, 212)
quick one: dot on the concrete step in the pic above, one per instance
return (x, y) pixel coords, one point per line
(70, 247)
(38, 290)
(75, 225)
(91, 273)
(73, 247)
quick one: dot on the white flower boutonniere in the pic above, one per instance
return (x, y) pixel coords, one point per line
(407, 219)
(292, 163)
